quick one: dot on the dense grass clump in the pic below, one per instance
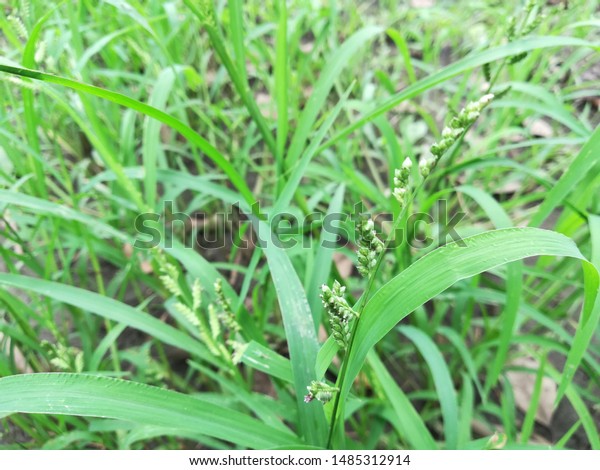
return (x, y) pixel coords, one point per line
(294, 224)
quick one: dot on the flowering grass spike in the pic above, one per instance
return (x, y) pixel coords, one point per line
(458, 125)
(340, 313)
(402, 181)
(369, 247)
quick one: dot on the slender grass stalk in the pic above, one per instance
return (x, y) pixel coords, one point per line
(205, 14)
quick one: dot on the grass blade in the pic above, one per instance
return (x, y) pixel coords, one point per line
(111, 309)
(151, 138)
(241, 85)
(50, 208)
(300, 334)
(583, 162)
(263, 359)
(69, 394)
(338, 60)
(476, 59)
(413, 429)
(281, 86)
(442, 380)
(590, 314)
(191, 135)
(438, 270)
(514, 284)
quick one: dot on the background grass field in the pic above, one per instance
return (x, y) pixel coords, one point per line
(117, 108)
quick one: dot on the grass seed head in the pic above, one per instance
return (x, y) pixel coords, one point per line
(19, 27)
(320, 391)
(339, 311)
(369, 248)
(458, 124)
(226, 314)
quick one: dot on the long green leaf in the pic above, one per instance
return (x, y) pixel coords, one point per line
(300, 333)
(31, 117)
(583, 162)
(86, 395)
(299, 169)
(514, 283)
(191, 135)
(281, 86)
(438, 270)
(336, 63)
(411, 425)
(111, 309)
(477, 59)
(237, 77)
(262, 358)
(589, 318)
(50, 208)
(151, 138)
(441, 379)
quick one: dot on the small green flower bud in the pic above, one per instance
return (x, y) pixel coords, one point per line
(425, 167)
(321, 391)
(402, 181)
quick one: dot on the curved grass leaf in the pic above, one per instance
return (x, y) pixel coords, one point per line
(111, 309)
(298, 170)
(590, 317)
(476, 59)
(441, 379)
(120, 99)
(237, 76)
(336, 63)
(459, 343)
(299, 331)
(71, 394)
(50, 208)
(438, 270)
(151, 138)
(579, 167)
(324, 257)
(410, 424)
(514, 283)
(31, 117)
(580, 407)
(262, 358)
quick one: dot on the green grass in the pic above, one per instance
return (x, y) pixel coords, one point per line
(112, 109)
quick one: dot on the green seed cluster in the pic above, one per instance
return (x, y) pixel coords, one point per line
(64, 358)
(425, 166)
(207, 14)
(369, 248)
(226, 315)
(320, 391)
(531, 24)
(458, 125)
(18, 26)
(169, 276)
(210, 329)
(340, 313)
(402, 181)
